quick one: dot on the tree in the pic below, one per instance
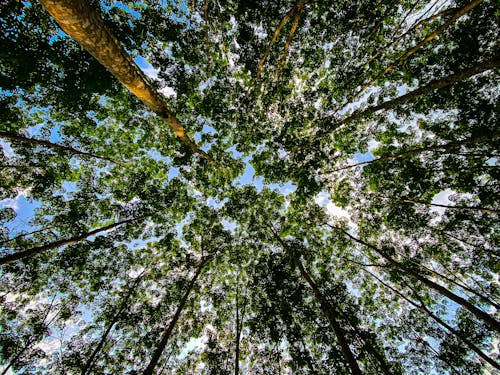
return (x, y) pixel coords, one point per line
(348, 225)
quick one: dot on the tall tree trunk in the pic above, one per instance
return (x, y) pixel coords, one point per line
(293, 11)
(167, 333)
(459, 13)
(432, 86)
(55, 146)
(90, 361)
(480, 314)
(16, 358)
(240, 316)
(480, 209)
(84, 25)
(53, 245)
(326, 307)
(472, 140)
(421, 306)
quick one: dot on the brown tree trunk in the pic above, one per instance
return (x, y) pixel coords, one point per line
(421, 305)
(90, 361)
(326, 307)
(432, 86)
(84, 25)
(480, 314)
(55, 146)
(53, 245)
(480, 209)
(472, 140)
(459, 13)
(168, 332)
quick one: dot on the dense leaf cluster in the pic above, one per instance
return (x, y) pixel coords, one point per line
(349, 223)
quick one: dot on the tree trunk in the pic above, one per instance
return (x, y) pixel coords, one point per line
(459, 13)
(90, 361)
(86, 27)
(326, 307)
(421, 305)
(293, 11)
(40, 249)
(166, 335)
(55, 146)
(480, 209)
(480, 314)
(432, 86)
(472, 140)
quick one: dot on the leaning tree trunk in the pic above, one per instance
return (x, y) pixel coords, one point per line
(91, 360)
(55, 146)
(84, 25)
(472, 140)
(430, 87)
(168, 332)
(9, 258)
(480, 314)
(326, 307)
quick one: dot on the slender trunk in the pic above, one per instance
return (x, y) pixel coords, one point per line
(85, 26)
(464, 287)
(480, 314)
(432, 86)
(293, 29)
(166, 335)
(24, 235)
(16, 358)
(55, 146)
(401, 36)
(426, 310)
(40, 249)
(238, 333)
(90, 361)
(326, 307)
(481, 209)
(459, 13)
(300, 4)
(472, 140)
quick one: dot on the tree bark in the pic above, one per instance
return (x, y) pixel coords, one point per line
(421, 305)
(40, 249)
(472, 140)
(432, 86)
(167, 333)
(480, 314)
(55, 146)
(293, 11)
(326, 307)
(480, 209)
(85, 26)
(90, 361)
(459, 13)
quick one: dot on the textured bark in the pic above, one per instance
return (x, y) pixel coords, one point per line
(55, 146)
(432, 86)
(53, 245)
(480, 314)
(168, 331)
(416, 151)
(85, 26)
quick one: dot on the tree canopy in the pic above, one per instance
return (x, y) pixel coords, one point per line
(254, 187)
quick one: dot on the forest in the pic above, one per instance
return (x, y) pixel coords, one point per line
(249, 187)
